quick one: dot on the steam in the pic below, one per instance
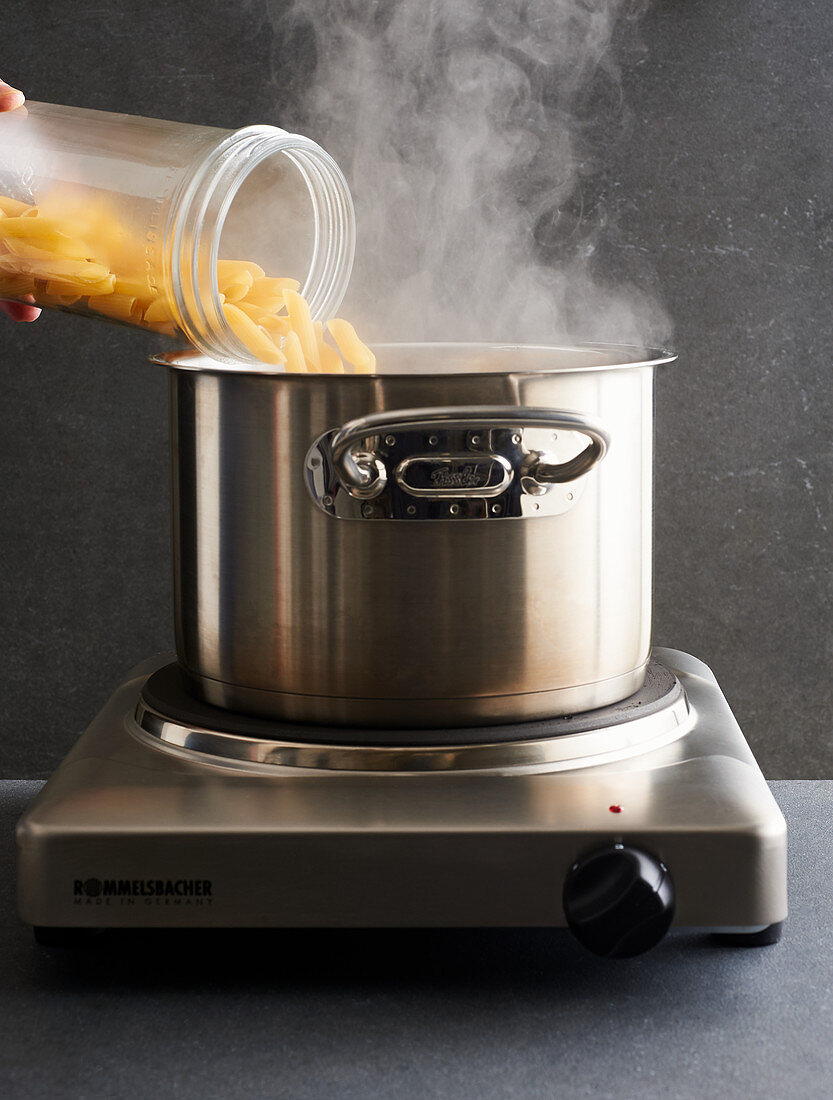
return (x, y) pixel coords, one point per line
(466, 131)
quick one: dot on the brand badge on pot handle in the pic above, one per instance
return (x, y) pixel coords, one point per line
(477, 462)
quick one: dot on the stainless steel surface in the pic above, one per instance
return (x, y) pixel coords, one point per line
(282, 612)
(121, 821)
(477, 424)
(635, 734)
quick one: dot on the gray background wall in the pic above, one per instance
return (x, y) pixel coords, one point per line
(724, 181)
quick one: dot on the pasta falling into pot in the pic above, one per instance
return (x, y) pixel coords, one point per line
(67, 261)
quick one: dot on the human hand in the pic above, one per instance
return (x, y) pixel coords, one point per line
(10, 100)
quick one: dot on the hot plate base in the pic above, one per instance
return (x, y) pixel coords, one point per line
(129, 834)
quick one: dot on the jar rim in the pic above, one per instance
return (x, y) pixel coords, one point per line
(207, 198)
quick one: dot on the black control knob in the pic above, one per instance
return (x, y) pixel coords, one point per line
(619, 901)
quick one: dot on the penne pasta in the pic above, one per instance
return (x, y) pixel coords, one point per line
(235, 278)
(235, 291)
(66, 287)
(251, 335)
(269, 293)
(257, 314)
(275, 326)
(13, 208)
(267, 303)
(159, 312)
(16, 286)
(268, 285)
(52, 267)
(294, 355)
(301, 322)
(229, 270)
(351, 347)
(64, 301)
(37, 248)
(327, 355)
(31, 226)
(137, 287)
(121, 307)
(330, 359)
(60, 291)
(17, 237)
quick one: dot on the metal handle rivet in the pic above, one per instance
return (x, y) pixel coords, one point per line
(569, 496)
(411, 510)
(367, 510)
(496, 509)
(475, 439)
(327, 501)
(454, 509)
(390, 440)
(516, 438)
(432, 439)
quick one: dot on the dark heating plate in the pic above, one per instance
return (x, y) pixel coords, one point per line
(171, 718)
(166, 693)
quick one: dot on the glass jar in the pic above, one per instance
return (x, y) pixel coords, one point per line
(128, 219)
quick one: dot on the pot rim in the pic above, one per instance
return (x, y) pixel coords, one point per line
(608, 356)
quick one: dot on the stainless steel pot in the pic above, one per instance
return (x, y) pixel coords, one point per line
(463, 538)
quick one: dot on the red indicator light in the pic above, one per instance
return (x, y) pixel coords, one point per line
(615, 809)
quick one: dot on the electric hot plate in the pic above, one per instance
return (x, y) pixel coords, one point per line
(619, 822)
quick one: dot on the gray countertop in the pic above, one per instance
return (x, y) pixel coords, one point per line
(512, 1013)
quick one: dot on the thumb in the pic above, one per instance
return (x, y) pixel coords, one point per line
(10, 97)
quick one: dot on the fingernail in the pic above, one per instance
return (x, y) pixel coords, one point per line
(10, 97)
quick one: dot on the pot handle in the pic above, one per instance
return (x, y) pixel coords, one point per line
(359, 471)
